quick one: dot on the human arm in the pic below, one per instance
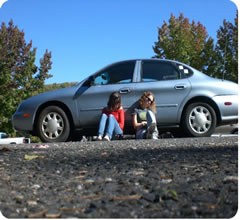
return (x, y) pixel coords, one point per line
(136, 124)
(121, 118)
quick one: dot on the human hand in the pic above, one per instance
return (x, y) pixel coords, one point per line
(144, 123)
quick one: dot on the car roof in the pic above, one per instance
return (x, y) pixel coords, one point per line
(147, 59)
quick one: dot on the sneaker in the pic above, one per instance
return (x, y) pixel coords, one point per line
(150, 131)
(106, 138)
(99, 138)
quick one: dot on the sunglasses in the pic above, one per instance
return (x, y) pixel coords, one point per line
(150, 101)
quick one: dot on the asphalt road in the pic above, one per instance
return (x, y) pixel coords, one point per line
(167, 178)
(226, 129)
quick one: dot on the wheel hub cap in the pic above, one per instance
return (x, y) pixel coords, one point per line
(53, 125)
(200, 120)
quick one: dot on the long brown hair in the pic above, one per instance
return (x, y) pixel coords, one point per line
(114, 102)
(143, 98)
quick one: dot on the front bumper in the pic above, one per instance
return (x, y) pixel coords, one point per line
(21, 122)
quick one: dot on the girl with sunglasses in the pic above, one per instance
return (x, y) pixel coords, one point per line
(144, 119)
(112, 119)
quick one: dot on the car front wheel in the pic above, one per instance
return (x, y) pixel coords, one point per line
(199, 120)
(53, 125)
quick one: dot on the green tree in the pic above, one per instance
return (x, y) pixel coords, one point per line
(19, 76)
(186, 42)
(227, 50)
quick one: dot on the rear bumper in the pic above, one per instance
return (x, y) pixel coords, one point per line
(228, 108)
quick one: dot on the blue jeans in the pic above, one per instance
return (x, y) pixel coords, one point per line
(109, 125)
(151, 118)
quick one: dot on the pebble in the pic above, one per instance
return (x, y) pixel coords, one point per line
(32, 203)
(53, 214)
(108, 180)
(230, 179)
(166, 181)
(79, 187)
(36, 186)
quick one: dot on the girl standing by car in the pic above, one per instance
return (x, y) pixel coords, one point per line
(144, 119)
(112, 119)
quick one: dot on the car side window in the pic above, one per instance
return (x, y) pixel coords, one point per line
(157, 71)
(116, 74)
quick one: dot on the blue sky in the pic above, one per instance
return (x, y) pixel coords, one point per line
(86, 35)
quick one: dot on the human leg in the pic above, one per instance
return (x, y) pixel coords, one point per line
(117, 131)
(141, 133)
(113, 127)
(102, 125)
(151, 118)
(152, 131)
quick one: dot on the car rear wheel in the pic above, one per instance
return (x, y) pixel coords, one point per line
(199, 120)
(53, 125)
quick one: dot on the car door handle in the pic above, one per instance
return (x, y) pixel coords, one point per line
(125, 90)
(179, 87)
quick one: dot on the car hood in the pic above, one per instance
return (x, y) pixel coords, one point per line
(57, 95)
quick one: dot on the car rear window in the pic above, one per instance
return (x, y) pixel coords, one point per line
(185, 71)
(158, 71)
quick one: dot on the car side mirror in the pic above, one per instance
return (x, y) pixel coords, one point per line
(104, 77)
(91, 81)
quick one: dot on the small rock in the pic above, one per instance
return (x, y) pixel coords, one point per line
(31, 203)
(230, 179)
(79, 187)
(150, 197)
(108, 180)
(19, 198)
(53, 214)
(36, 186)
(166, 181)
(89, 181)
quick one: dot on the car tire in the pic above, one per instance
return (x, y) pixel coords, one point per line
(53, 125)
(199, 120)
(234, 131)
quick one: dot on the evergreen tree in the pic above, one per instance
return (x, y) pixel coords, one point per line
(190, 44)
(227, 50)
(186, 42)
(19, 76)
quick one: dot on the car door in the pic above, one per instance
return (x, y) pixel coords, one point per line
(96, 90)
(164, 80)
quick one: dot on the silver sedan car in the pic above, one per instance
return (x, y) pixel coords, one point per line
(185, 98)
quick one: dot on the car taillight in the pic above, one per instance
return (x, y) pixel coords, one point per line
(227, 103)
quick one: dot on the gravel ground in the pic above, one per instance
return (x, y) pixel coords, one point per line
(167, 178)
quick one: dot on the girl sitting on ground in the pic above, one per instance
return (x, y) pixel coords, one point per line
(112, 119)
(144, 119)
